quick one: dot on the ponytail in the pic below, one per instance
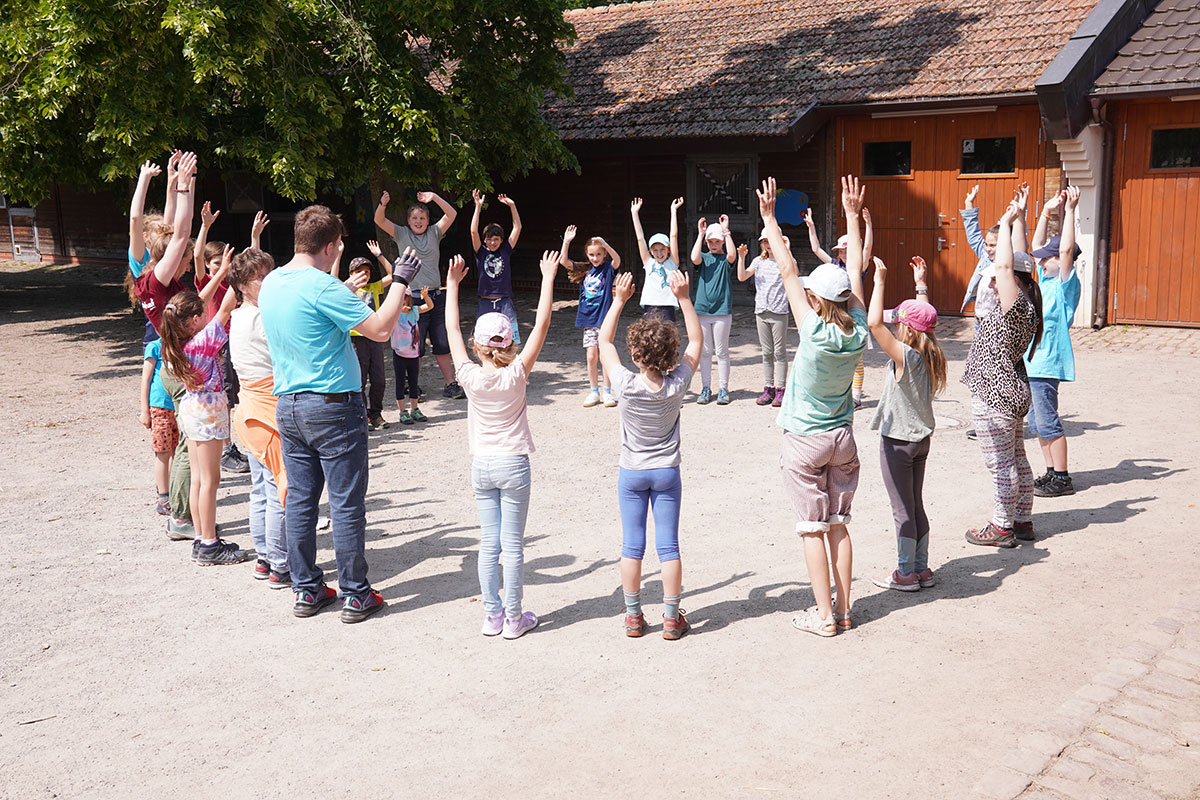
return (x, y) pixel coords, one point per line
(174, 332)
(1034, 292)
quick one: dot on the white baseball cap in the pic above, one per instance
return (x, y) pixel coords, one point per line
(715, 231)
(830, 282)
(659, 238)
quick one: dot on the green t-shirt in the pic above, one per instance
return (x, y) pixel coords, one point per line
(714, 292)
(818, 393)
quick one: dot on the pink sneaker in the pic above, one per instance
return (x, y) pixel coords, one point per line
(516, 628)
(778, 401)
(767, 396)
(899, 581)
(492, 626)
(926, 578)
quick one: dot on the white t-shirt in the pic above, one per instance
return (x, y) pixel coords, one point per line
(248, 344)
(656, 291)
(496, 421)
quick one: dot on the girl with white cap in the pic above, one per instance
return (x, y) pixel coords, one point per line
(820, 460)
(770, 316)
(500, 442)
(904, 418)
(660, 258)
(714, 303)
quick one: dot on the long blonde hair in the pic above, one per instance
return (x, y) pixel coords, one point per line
(926, 344)
(833, 312)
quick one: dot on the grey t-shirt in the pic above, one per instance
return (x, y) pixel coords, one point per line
(428, 247)
(649, 418)
(905, 409)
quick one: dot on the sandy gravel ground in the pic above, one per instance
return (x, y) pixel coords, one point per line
(152, 676)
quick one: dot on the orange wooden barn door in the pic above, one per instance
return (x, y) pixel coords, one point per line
(1155, 263)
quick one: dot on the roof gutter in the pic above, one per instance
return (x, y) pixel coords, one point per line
(1064, 86)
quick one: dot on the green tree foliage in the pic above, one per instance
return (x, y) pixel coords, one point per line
(307, 94)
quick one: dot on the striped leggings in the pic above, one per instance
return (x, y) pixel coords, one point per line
(1002, 439)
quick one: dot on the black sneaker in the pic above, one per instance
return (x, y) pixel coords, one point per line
(453, 391)
(233, 461)
(356, 609)
(195, 549)
(279, 580)
(1042, 480)
(376, 421)
(310, 601)
(1055, 487)
(220, 553)
(1023, 531)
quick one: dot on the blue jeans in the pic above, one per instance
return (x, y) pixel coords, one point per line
(501, 486)
(266, 517)
(1043, 410)
(505, 306)
(325, 442)
(432, 324)
(661, 491)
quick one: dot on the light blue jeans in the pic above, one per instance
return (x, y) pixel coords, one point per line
(501, 486)
(266, 517)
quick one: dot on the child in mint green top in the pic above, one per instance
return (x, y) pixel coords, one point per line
(820, 459)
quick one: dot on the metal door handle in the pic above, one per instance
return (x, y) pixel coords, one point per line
(940, 241)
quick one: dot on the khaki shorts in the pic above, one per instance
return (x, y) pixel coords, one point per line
(820, 475)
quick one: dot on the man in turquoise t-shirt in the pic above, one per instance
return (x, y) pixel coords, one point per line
(1054, 361)
(307, 315)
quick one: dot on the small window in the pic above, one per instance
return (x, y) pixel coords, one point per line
(887, 159)
(995, 155)
(1175, 148)
(723, 188)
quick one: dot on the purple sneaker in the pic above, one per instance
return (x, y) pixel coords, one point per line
(492, 626)
(778, 401)
(516, 628)
(767, 397)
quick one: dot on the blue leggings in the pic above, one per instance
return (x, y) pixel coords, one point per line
(661, 490)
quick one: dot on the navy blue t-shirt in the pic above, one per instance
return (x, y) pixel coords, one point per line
(595, 296)
(495, 270)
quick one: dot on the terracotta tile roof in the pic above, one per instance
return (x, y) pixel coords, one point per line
(1164, 54)
(675, 68)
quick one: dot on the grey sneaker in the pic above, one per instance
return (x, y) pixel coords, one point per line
(705, 396)
(722, 397)
(991, 536)
(453, 391)
(180, 530)
(219, 553)
(1055, 487)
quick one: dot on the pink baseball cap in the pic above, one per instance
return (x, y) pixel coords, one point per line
(493, 330)
(916, 314)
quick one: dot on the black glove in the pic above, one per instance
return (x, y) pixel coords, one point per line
(406, 266)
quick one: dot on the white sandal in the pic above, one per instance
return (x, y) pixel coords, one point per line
(811, 621)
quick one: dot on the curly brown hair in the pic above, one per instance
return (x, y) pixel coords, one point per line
(653, 343)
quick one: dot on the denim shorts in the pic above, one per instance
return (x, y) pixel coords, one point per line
(1043, 411)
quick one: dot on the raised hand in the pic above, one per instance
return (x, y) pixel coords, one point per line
(1071, 196)
(373, 246)
(549, 263)
(173, 164)
(1054, 201)
(186, 170)
(424, 197)
(385, 198)
(676, 204)
(866, 215)
(1021, 196)
(880, 271)
(970, 201)
(853, 193)
(680, 284)
(149, 169)
(623, 287)
(457, 271)
(636, 205)
(261, 221)
(702, 225)
(724, 220)
(920, 271)
(508, 201)
(207, 215)
(407, 265)
(742, 249)
(569, 234)
(1012, 212)
(766, 200)
(479, 197)
(808, 220)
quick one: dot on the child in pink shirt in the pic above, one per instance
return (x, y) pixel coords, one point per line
(498, 432)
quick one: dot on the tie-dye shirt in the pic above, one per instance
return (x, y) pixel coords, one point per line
(818, 393)
(204, 352)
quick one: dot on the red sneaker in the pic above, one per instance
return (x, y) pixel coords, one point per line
(675, 628)
(635, 625)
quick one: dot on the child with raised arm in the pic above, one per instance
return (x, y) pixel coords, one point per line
(714, 303)
(904, 418)
(984, 246)
(1054, 360)
(839, 259)
(405, 342)
(192, 349)
(770, 316)
(370, 352)
(500, 442)
(995, 374)
(158, 415)
(650, 400)
(595, 279)
(660, 258)
(426, 241)
(820, 460)
(493, 260)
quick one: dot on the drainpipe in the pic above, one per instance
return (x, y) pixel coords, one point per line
(1104, 222)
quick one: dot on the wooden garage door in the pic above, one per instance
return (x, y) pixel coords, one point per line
(916, 211)
(1155, 275)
